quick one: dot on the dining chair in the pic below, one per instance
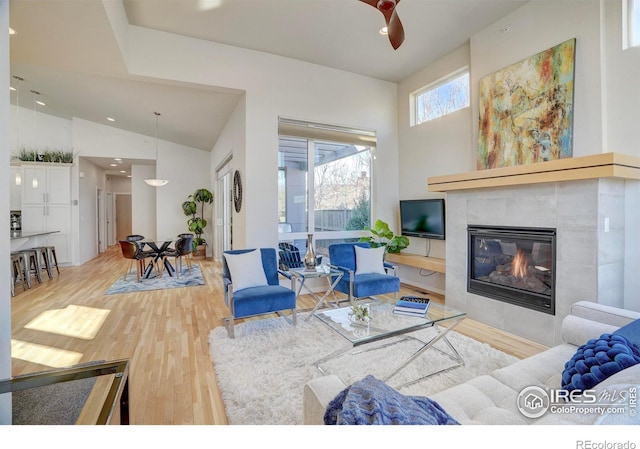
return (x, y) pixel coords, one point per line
(132, 251)
(182, 249)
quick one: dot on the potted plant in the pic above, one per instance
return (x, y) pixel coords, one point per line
(197, 222)
(383, 236)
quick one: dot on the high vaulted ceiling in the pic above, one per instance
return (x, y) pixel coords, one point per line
(66, 50)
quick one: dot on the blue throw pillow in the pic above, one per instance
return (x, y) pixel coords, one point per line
(598, 359)
(631, 331)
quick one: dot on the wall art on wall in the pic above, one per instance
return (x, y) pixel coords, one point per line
(526, 110)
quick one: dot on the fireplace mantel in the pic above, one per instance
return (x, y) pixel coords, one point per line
(605, 165)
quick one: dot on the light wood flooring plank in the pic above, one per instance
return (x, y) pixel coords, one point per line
(164, 333)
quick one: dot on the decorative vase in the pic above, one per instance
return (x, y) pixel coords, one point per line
(310, 261)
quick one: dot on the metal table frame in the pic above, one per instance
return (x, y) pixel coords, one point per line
(442, 332)
(116, 399)
(299, 275)
(159, 251)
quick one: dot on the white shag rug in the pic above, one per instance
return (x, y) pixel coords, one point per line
(262, 372)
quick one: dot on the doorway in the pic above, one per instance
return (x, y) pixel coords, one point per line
(100, 220)
(123, 215)
(109, 219)
(224, 220)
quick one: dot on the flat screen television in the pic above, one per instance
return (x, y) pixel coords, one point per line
(423, 218)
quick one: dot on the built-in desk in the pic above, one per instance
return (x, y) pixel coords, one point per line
(415, 260)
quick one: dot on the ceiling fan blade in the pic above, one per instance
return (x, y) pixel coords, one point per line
(396, 30)
(394, 26)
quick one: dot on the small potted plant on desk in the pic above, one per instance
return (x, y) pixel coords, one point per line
(197, 223)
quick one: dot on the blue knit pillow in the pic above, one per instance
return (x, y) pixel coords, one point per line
(598, 359)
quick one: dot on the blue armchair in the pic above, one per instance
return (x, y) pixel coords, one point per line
(263, 292)
(342, 256)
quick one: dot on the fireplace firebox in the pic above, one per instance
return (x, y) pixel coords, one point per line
(514, 265)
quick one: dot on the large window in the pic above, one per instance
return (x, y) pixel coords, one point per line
(631, 23)
(324, 183)
(441, 98)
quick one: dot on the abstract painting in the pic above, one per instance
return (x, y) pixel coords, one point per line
(526, 110)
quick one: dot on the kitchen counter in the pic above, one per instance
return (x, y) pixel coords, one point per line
(24, 235)
(23, 240)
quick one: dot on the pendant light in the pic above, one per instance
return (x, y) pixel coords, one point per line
(34, 181)
(155, 182)
(18, 79)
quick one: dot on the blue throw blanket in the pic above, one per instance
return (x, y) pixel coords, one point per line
(371, 401)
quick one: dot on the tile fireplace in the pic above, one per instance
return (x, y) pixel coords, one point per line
(514, 265)
(590, 202)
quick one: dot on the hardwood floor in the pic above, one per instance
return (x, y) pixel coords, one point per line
(69, 320)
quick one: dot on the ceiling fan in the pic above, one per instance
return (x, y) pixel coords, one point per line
(394, 26)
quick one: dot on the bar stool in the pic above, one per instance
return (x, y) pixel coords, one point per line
(44, 260)
(31, 265)
(52, 258)
(17, 273)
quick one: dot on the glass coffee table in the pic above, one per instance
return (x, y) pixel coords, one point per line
(385, 324)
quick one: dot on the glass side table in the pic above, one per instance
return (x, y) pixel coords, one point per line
(107, 402)
(300, 275)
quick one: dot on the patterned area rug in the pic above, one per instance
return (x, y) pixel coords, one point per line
(158, 283)
(262, 372)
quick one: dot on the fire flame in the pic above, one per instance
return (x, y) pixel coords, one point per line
(519, 265)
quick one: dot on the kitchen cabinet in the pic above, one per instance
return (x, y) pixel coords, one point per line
(46, 205)
(15, 190)
(46, 184)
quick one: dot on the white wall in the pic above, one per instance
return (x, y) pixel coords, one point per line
(48, 131)
(187, 169)
(276, 86)
(143, 208)
(433, 148)
(232, 140)
(606, 101)
(621, 86)
(93, 179)
(535, 27)
(5, 295)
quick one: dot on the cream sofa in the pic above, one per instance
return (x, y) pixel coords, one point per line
(492, 399)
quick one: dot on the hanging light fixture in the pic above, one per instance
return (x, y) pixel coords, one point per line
(34, 181)
(155, 182)
(18, 79)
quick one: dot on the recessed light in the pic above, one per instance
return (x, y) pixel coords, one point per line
(117, 159)
(41, 103)
(12, 88)
(128, 176)
(12, 31)
(123, 171)
(384, 31)
(111, 119)
(113, 165)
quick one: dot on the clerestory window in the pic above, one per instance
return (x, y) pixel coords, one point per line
(440, 98)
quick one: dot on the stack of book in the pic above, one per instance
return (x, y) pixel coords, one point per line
(412, 306)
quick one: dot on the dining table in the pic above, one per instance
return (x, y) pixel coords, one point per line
(159, 248)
